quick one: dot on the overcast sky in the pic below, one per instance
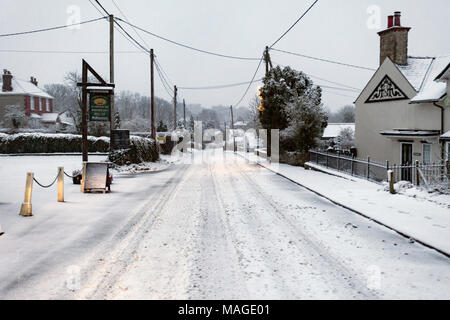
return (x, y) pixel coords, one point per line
(333, 29)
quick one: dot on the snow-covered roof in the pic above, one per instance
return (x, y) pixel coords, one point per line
(240, 124)
(35, 116)
(49, 117)
(409, 133)
(65, 118)
(444, 75)
(416, 70)
(334, 129)
(421, 72)
(23, 87)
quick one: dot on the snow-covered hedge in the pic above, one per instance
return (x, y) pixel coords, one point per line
(49, 143)
(141, 150)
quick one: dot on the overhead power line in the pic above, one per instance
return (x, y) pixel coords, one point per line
(134, 29)
(324, 60)
(220, 86)
(51, 28)
(337, 88)
(290, 28)
(121, 28)
(251, 81)
(326, 80)
(115, 27)
(66, 52)
(186, 46)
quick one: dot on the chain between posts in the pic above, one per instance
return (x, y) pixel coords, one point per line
(48, 186)
(68, 175)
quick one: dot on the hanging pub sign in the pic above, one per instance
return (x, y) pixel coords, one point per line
(386, 90)
(99, 106)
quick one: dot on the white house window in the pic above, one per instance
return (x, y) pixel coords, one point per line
(426, 152)
(32, 106)
(47, 105)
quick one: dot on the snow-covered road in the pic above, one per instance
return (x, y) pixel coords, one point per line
(225, 229)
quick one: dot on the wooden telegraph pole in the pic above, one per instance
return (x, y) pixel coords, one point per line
(111, 71)
(232, 127)
(267, 60)
(152, 90)
(184, 112)
(84, 129)
(175, 90)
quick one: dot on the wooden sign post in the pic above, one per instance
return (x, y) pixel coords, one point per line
(100, 102)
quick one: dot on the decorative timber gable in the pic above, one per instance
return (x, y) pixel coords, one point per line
(386, 90)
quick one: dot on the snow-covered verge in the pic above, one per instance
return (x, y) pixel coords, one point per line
(424, 217)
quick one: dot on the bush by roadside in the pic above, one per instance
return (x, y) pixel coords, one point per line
(141, 150)
(49, 143)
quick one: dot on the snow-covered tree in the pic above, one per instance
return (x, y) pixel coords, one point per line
(291, 103)
(14, 117)
(254, 112)
(346, 139)
(307, 118)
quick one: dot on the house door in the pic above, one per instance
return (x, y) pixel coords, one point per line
(407, 161)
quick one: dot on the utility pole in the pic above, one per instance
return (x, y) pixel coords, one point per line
(232, 127)
(184, 112)
(84, 131)
(152, 94)
(111, 70)
(225, 138)
(175, 90)
(267, 60)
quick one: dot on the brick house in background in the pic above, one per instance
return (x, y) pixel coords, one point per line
(26, 94)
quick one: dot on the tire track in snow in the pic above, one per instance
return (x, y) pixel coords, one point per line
(217, 273)
(329, 265)
(120, 256)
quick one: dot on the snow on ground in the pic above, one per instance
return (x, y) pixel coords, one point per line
(220, 228)
(412, 212)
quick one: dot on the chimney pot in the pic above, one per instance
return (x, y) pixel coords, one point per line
(7, 81)
(397, 15)
(390, 21)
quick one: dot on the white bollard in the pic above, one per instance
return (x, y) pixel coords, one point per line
(60, 184)
(26, 209)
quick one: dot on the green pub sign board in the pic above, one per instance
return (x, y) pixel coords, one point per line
(100, 106)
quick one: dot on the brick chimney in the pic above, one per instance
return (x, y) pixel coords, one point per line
(394, 41)
(34, 81)
(7, 81)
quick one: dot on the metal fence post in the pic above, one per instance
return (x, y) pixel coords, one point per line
(351, 163)
(327, 158)
(387, 169)
(368, 168)
(338, 158)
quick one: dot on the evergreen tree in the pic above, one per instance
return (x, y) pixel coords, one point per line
(291, 103)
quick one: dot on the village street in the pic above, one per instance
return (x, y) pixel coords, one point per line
(220, 228)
